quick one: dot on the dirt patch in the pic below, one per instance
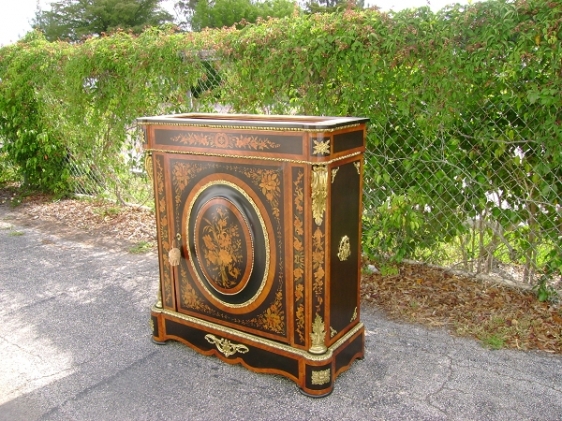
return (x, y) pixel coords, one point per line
(500, 316)
(86, 220)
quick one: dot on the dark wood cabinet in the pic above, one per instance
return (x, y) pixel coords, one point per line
(259, 228)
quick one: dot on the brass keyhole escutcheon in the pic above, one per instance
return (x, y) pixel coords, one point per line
(344, 250)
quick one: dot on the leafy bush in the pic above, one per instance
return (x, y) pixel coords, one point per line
(464, 107)
(28, 130)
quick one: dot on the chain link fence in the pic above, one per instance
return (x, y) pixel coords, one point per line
(123, 180)
(480, 202)
(468, 198)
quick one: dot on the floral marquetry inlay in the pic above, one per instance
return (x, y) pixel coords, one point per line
(318, 268)
(163, 237)
(225, 141)
(298, 253)
(269, 182)
(222, 246)
(274, 317)
(183, 173)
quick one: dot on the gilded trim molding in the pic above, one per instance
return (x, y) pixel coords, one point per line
(261, 128)
(260, 158)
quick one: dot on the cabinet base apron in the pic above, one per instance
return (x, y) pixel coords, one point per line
(313, 374)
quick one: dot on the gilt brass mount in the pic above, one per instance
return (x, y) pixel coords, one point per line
(226, 347)
(321, 148)
(320, 377)
(148, 165)
(344, 250)
(354, 316)
(319, 192)
(317, 336)
(334, 172)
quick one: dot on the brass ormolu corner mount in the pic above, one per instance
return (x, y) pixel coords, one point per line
(318, 337)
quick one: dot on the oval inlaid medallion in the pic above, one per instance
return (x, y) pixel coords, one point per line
(224, 246)
(228, 245)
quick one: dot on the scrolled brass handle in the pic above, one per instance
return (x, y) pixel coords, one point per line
(344, 250)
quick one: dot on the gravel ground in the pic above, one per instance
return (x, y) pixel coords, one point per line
(75, 345)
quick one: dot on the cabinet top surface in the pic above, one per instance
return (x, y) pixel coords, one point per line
(253, 120)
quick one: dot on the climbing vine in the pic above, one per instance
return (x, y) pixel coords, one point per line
(464, 107)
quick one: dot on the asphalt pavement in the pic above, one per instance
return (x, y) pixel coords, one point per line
(75, 345)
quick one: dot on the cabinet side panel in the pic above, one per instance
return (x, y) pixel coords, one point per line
(345, 251)
(347, 141)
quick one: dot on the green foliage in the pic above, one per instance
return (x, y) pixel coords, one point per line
(331, 6)
(464, 107)
(141, 247)
(7, 170)
(552, 270)
(30, 138)
(221, 13)
(74, 20)
(544, 291)
(493, 341)
(394, 230)
(61, 102)
(463, 104)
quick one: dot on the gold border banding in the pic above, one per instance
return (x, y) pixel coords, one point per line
(260, 158)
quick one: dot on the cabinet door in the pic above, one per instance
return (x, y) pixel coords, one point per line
(230, 218)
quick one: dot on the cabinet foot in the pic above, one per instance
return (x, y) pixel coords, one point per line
(158, 342)
(310, 395)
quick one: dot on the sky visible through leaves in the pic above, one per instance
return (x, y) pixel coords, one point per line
(16, 15)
